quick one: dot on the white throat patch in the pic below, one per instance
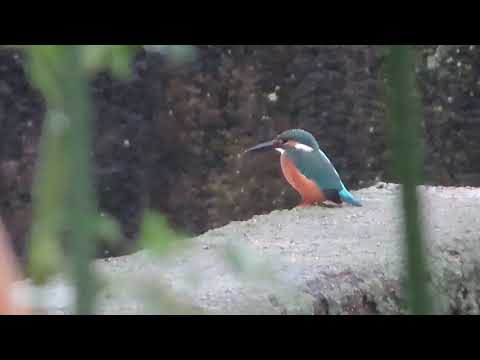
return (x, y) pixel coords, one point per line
(303, 147)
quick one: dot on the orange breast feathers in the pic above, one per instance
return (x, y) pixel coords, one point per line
(307, 189)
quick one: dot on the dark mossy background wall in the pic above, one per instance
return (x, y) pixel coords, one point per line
(170, 138)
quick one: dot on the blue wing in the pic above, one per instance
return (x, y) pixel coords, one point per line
(317, 167)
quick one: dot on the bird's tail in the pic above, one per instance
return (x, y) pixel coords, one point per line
(348, 198)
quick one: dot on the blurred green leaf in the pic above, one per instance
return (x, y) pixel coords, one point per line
(246, 262)
(108, 229)
(64, 204)
(116, 58)
(404, 107)
(45, 69)
(157, 235)
(46, 258)
(48, 204)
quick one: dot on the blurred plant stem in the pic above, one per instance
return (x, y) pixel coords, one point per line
(404, 110)
(64, 198)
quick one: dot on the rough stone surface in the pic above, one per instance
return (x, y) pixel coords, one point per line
(323, 261)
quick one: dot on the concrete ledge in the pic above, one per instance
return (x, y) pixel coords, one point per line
(304, 261)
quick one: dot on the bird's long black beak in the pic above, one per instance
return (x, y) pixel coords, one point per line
(269, 145)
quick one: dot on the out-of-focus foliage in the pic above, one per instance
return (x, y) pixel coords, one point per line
(64, 199)
(116, 58)
(108, 229)
(404, 111)
(246, 263)
(158, 236)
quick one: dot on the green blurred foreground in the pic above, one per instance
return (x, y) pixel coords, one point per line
(65, 209)
(404, 110)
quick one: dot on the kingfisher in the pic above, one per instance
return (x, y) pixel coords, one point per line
(307, 169)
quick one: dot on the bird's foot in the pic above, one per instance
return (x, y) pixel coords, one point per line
(322, 204)
(303, 205)
(328, 205)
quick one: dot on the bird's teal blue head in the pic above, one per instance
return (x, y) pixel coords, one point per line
(298, 138)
